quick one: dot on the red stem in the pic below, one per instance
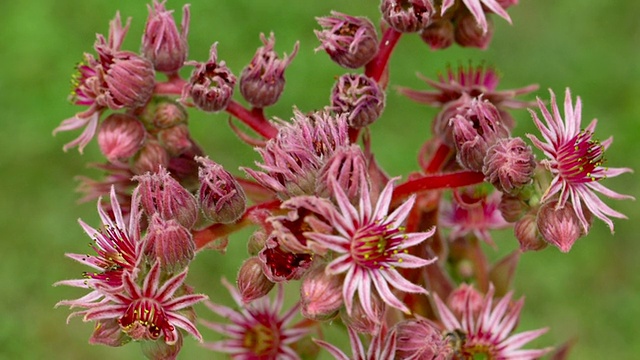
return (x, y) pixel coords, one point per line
(254, 118)
(433, 182)
(173, 86)
(375, 68)
(439, 158)
(217, 231)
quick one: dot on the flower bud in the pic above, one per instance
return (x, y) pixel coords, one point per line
(108, 332)
(163, 112)
(560, 226)
(161, 193)
(150, 158)
(439, 34)
(359, 97)
(359, 320)
(320, 295)
(252, 283)
(170, 243)
(256, 242)
(419, 339)
(130, 80)
(347, 166)
(350, 41)
(221, 198)
(211, 83)
(176, 139)
(159, 349)
(161, 42)
(120, 136)
(475, 131)
(470, 34)
(407, 15)
(509, 165)
(262, 81)
(512, 208)
(526, 231)
(441, 124)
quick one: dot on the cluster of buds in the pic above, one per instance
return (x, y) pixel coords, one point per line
(399, 263)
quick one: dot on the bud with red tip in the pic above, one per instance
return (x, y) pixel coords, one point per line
(320, 294)
(163, 112)
(350, 41)
(359, 97)
(130, 80)
(162, 43)
(150, 158)
(252, 283)
(509, 165)
(439, 34)
(560, 226)
(221, 198)
(407, 15)
(470, 34)
(211, 83)
(120, 136)
(526, 231)
(475, 131)
(162, 194)
(169, 242)
(262, 81)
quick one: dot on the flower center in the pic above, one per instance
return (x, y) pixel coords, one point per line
(260, 340)
(370, 247)
(145, 319)
(579, 160)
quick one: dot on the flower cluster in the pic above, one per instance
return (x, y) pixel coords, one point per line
(402, 264)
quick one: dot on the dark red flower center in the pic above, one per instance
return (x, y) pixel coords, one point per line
(579, 159)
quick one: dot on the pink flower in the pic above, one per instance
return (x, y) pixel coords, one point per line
(487, 332)
(369, 246)
(475, 6)
(257, 331)
(145, 313)
(576, 161)
(118, 251)
(382, 346)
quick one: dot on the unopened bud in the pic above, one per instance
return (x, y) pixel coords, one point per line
(359, 97)
(320, 294)
(509, 165)
(108, 332)
(359, 320)
(350, 41)
(465, 300)
(162, 43)
(347, 167)
(439, 34)
(475, 131)
(220, 196)
(159, 349)
(120, 136)
(526, 231)
(420, 339)
(407, 15)
(252, 283)
(170, 243)
(441, 124)
(163, 112)
(262, 81)
(512, 208)
(176, 139)
(150, 158)
(256, 242)
(560, 226)
(211, 83)
(470, 34)
(161, 193)
(130, 80)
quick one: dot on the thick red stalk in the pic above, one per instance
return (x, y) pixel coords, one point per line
(253, 118)
(376, 67)
(434, 182)
(439, 158)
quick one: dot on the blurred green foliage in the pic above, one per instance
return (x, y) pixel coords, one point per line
(591, 46)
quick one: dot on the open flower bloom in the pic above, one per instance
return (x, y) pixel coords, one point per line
(257, 330)
(575, 159)
(486, 330)
(369, 245)
(475, 6)
(118, 251)
(382, 346)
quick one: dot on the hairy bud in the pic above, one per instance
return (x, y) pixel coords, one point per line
(162, 43)
(419, 339)
(509, 165)
(170, 243)
(350, 41)
(176, 139)
(220, 196)
(359, 97)
(407, 15)
(120, 136)
(470, 34)
(526, 231)
(320, 294)
(439, 34)
(560, 226)
(252, 283)
(211, 84)
(150, 158)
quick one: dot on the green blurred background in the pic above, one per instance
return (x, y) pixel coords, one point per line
(593, 46)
